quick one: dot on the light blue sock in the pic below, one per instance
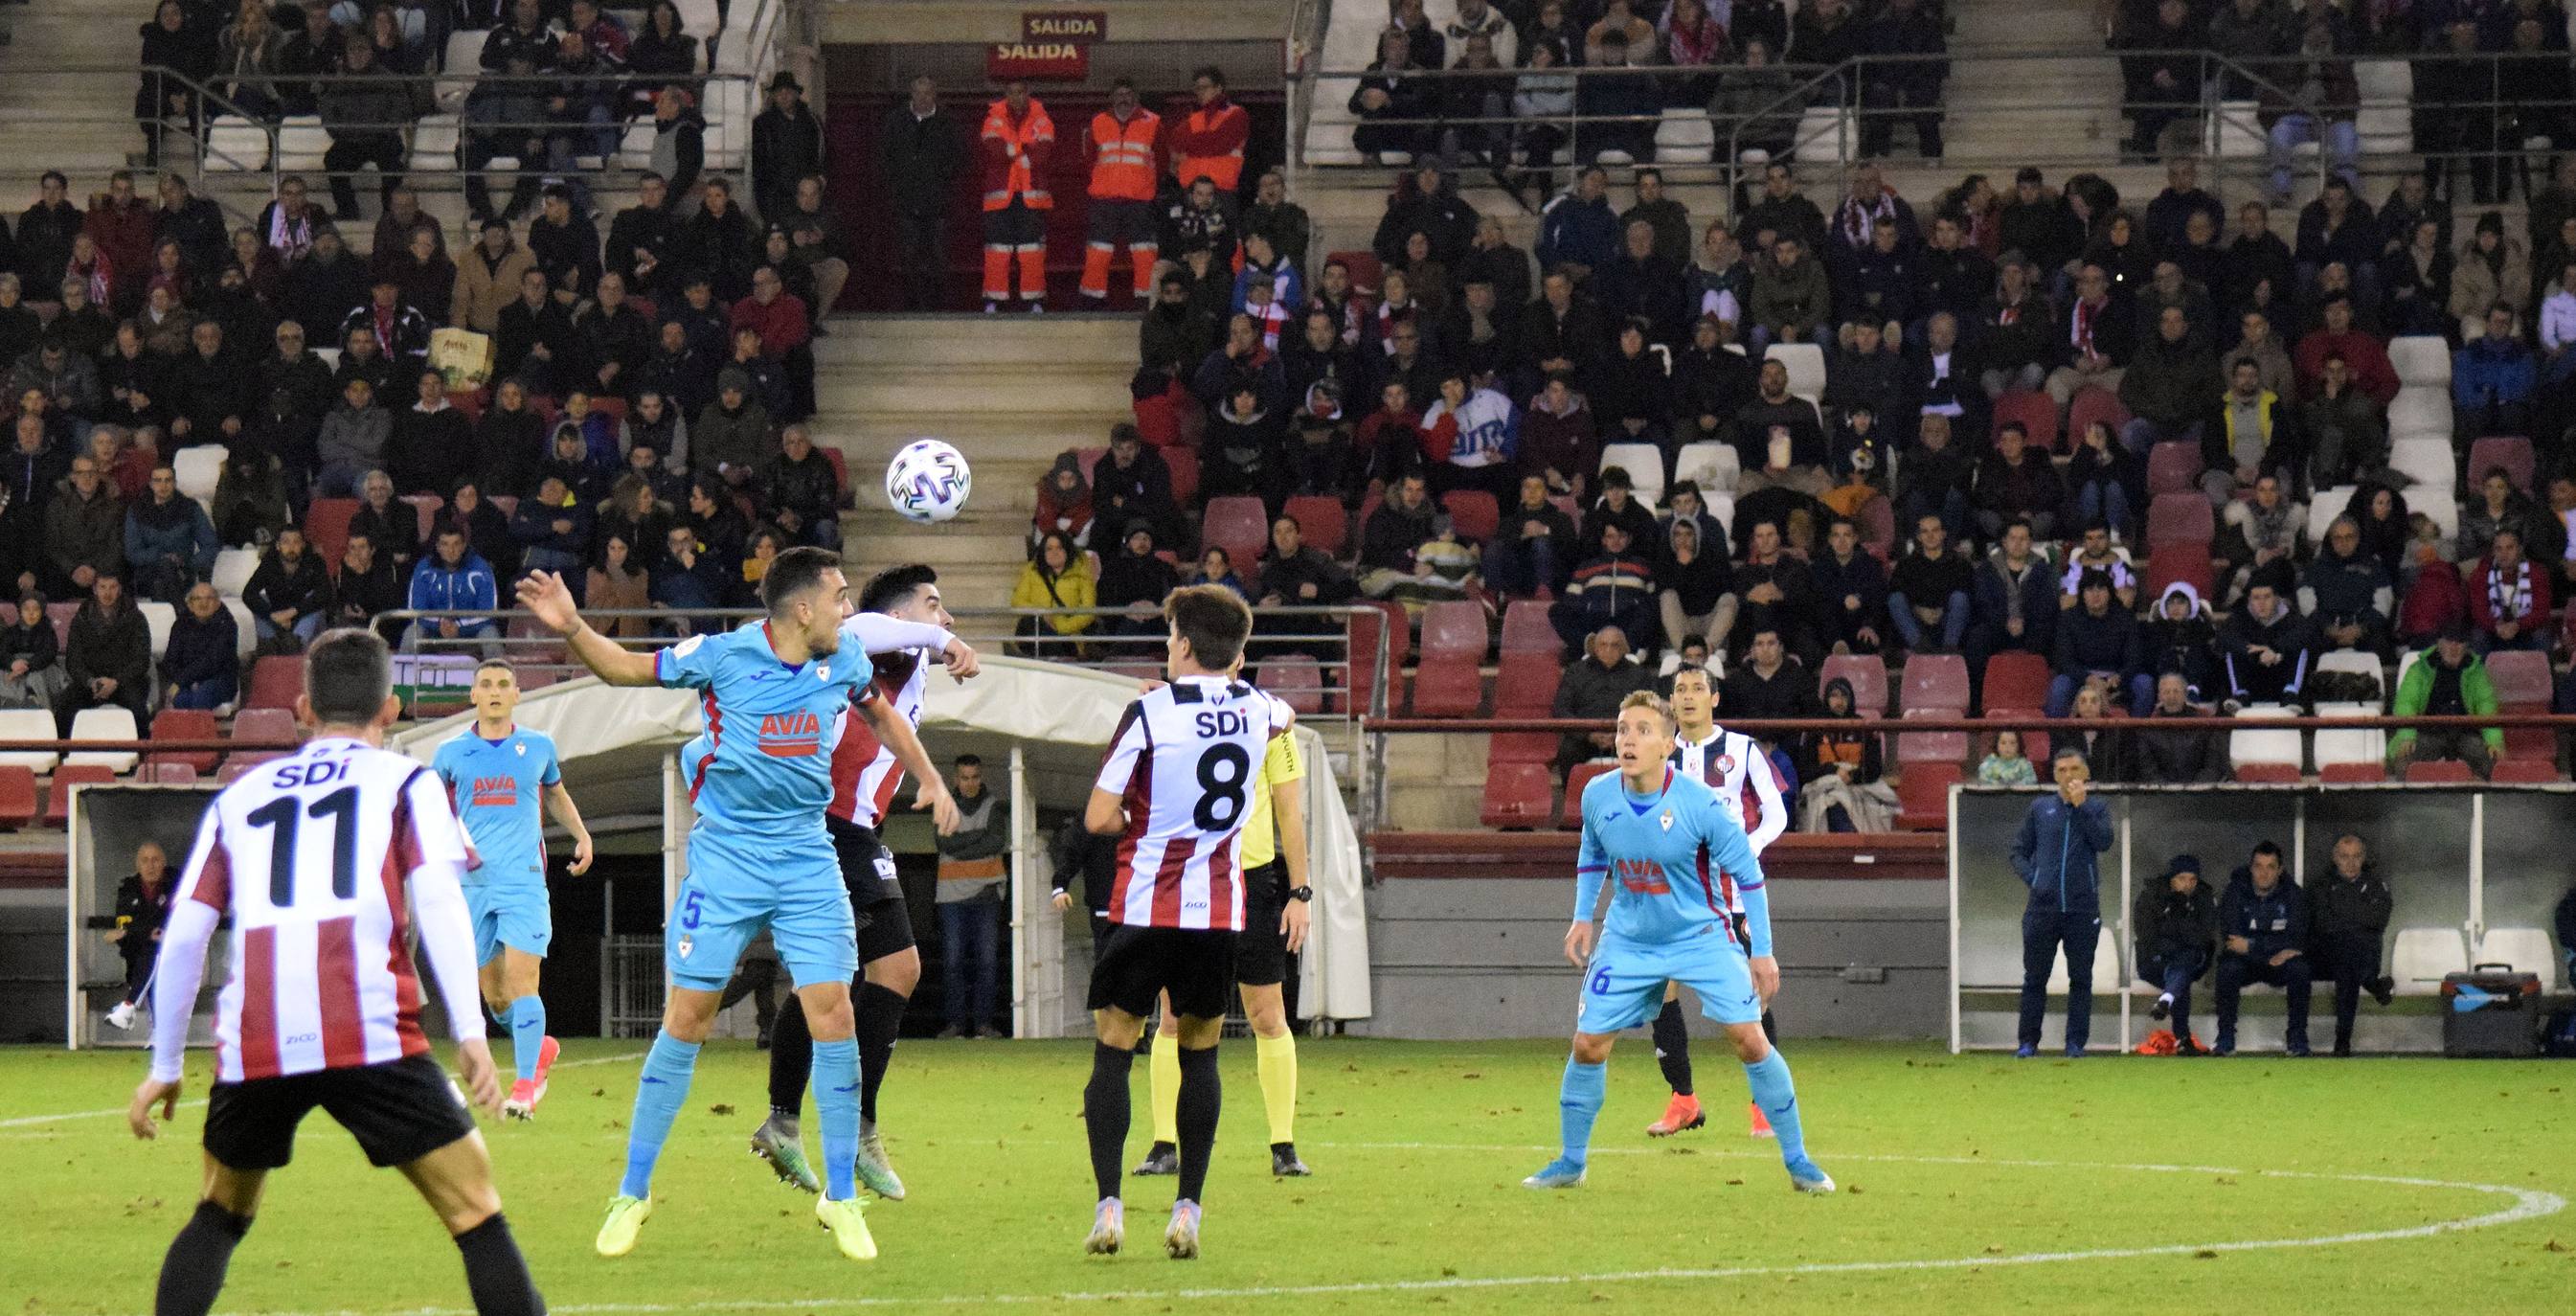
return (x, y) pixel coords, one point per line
(1778, 1098)
(658, 1095)
(836, 1111)
(1578, 1103)
(527, 1033)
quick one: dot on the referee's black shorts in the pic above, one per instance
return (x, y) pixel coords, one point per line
(398, 1111)
(1261, 952)
(1135, 966)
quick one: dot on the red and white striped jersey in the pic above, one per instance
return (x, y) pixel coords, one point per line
(315, 857)
(1187, 757)
(865, 775)
(1748, 787)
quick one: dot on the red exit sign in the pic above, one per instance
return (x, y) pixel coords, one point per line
(1081, 27)
(1041, 61)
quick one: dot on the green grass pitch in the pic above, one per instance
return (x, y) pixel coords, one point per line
(1970, 1184)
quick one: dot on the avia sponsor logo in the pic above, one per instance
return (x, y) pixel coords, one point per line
(1642, 877)
(495, 793)
(790, 735)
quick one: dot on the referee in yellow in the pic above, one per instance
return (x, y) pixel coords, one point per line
(1276, 903)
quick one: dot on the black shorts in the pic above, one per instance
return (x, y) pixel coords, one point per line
(398, 1111)
(1137, 965)
(1261, 951)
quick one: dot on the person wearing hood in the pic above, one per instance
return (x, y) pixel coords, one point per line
(2174, 925)
(2347, 595)
(2098, 642)
(1839, 772)
(2057, 855)
(2347, 933)
(169, 542)
(2263, 919)
(2264, 645)
(1064, 503)
(1133, 582)
(731, 438)
(1694, 588)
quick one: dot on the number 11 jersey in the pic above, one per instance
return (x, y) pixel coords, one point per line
(1187, 758)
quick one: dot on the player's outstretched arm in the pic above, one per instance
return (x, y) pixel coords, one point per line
(544, 594)
(878, 633)
(559, 805)
(930, 790)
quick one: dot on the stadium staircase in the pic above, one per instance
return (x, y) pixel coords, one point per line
(80, 124)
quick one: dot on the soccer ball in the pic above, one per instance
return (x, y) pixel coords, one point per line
(928, 481)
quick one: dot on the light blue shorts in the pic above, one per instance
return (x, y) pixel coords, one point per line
(737, 887)
(1623, 987)
(512, 914)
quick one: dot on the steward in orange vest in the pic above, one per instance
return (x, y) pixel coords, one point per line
(1122, 194)
(1210, 141)
(1018, 142)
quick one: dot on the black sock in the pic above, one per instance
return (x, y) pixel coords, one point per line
(791, 1056)
(1105, 1113)
(1202, 1093)
(193, 1271)
(495, 1273)
(1770, 1029)
(880, 1012)
(1672, 1048)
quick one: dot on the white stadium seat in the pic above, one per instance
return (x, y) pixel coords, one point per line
(1644, 463)
(2422, 955)
(28, 724)
(104, 724)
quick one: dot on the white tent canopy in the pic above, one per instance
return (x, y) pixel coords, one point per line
(1053, 721)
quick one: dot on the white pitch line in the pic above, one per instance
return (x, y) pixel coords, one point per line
(26, 1121)
(2528, 1204)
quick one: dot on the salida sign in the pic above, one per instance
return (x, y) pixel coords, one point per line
(1054, 45)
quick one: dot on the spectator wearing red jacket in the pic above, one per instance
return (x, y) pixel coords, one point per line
(785, 327)
(121, 224)
(2371, 372)
(2509, 597)
(1208, 142)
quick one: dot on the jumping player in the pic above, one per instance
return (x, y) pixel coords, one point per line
(1748, 788)
(495, 775)
(759, 775)
(902, 626)
(1276, 904)
(1174, 789)
(1661, 834)
(322, 860)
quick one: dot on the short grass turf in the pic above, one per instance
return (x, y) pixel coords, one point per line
(1416, 1204)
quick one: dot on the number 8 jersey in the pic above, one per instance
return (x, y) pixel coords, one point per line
(1187, 758)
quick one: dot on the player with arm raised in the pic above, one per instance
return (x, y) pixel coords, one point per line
(1175, 790)
(323, 860)
(1661, 836)
(759, 774)
(1748, 788)
(903, 627)
(496, 773)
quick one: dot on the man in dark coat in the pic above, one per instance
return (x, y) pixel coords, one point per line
(925, 155)
(2264, 918)
(2347, 930)
(786, 146)
(2175, 926)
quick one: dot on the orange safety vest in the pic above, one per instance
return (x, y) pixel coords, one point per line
(1012, 173)
(1122, 162)
(1211, 144)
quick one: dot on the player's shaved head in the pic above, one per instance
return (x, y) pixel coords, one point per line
(1213, 621)
(348, 677)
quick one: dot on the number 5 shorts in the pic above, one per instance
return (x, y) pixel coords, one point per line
(1624, 985)
(737, 886)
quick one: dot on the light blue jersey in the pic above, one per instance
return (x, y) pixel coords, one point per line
(497, 787)
(1668, 914)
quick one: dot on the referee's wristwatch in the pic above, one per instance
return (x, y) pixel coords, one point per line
(1304, 893)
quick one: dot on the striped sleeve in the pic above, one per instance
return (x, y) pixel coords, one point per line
(1126, 745)
(208, 879)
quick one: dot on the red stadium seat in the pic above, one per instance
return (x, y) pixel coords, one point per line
(2511, 452)
(168, 774)
(2089, 405)
(840, 473)
(1932, 746)
(2173, 468)
(1525, 686)
(1372, 622)
(2185, 564)
(1868, 677)
(1322, 523)
(2015, 679)
(1518, 797)
(2446, 771)
(1877, 526)
(2177, 519)
(1184, 464)
(1923, 796)
(1521, 746)
(2539, 743)
(1934, 682)
(425, 509)
(240, 765)
(61, 614)
(1526, 629)
(276, 681)
(2352, 774)
(2268, 774)
(2524, 772)
(58, 801)
(2520, 676)
(326, 527)
(267, 722)
(1447, 687)
(1363, 265)
(186, 724)
(2030, 721)
(1298, 681)
(1474, 514)
(1238, 525)
(2037, 413)
(1454, 629)
(17, 796)
(1089, 459)
(1576, 779)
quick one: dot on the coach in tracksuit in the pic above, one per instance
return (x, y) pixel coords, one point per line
(2057, 855)
(2264, 921)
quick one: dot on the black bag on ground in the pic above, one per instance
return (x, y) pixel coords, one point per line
(2491, 1010)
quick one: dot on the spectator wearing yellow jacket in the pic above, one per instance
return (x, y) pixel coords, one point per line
(1059, 577)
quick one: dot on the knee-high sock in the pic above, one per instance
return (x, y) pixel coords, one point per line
(1276, 1061)
(1778, 1098)
(791, 1058)
(880, 1014)
(658, 1095)
(1202, 1094)
(1163, 1087)
(1578, 1103)
(1105, 1114)
(193, 1272)
(527, 1033)
(1672, 1047)
(496, 1274)
(836, 1110)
